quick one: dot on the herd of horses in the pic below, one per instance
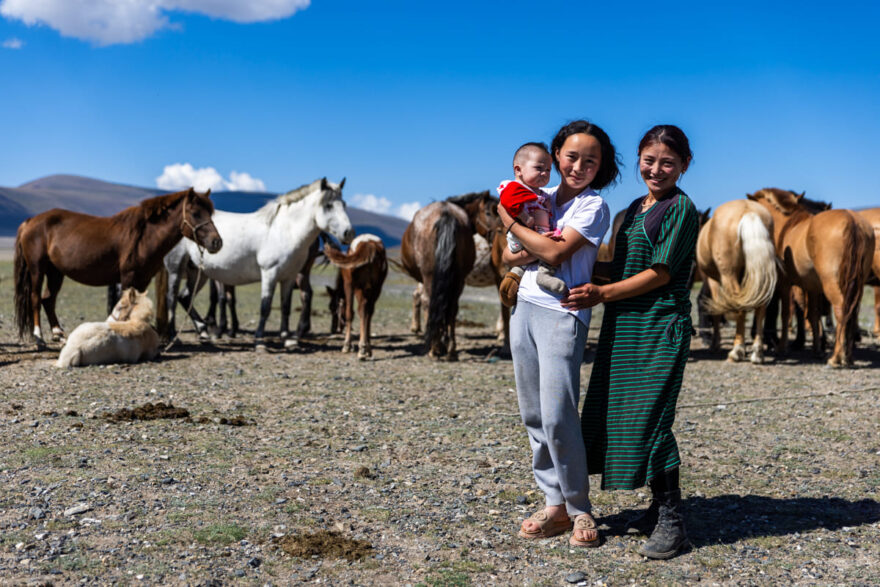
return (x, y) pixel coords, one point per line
(773, 248)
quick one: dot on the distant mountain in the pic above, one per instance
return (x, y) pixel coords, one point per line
(101, 198)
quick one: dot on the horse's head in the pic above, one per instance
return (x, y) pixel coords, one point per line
(132, 305)
(482, 211)
(775, 199)
(331, 216)
(196, 223)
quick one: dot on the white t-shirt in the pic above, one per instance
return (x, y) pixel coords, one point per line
(588, 214)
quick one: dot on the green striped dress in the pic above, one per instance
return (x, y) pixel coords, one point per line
(643, 347)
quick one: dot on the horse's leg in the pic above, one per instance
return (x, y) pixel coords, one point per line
(304, 326)
(286, 300)
(186, 298)
(785, 310)
(451, 351)
(876, 312)
(114, 291)
(798, 303)
(504, 337)
(268, 279)
(54, 277)
(812, 305)
(229, 296)
(839, 356)
(366, 306)
(211, 314)
(757, 340)
(416, 324)
(711, 287)
(348, 293)
(739, 339)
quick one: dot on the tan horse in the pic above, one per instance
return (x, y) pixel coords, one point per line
(872, 215)
(437, 250)
(737, 258)
(829, 252)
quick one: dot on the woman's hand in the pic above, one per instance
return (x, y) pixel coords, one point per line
(506, 218)
(581, 297)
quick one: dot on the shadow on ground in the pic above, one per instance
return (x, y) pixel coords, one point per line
(727, 519)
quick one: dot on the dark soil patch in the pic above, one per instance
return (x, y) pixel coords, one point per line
(325, 544)
(364, 473)
(147, 411)
(234, 421)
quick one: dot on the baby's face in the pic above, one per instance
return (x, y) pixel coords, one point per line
(535, 172)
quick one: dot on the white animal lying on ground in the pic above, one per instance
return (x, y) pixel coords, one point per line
(126, 336)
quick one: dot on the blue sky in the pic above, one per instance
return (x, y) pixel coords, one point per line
(413, 102)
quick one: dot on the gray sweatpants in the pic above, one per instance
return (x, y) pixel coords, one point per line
(547, 348)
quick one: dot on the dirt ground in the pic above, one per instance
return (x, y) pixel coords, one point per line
(311, 467)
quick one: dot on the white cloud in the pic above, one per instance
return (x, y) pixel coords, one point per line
(408, 210)
(13, 43)
(180, 176)
(108, 22)
(371, 203)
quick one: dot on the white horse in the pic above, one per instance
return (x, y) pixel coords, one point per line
(270, 246)
(125, 337)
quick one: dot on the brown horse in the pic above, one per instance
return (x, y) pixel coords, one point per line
(489, 270)
(737, 259)
(829, 252)
(126, 248)
(362, 272)
(437, 251)
(872, 215)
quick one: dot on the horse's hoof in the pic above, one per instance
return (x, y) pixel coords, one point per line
(291, 343)
(204, 336)
(260, 347)
(757, 359)
(363, 357)
(346, 348)
(737, 354)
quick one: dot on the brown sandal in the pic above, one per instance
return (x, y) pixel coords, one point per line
(546, 526)
(587, 525)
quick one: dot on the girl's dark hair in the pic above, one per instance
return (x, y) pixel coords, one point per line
(609, 167)
(671, 136)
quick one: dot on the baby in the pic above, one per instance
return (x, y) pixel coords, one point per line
(524, 201)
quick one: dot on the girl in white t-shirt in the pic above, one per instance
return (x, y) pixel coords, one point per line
(547, 341)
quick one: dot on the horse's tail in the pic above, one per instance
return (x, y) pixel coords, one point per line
(24, 310)
(364, 254)
(851, 275)
(446, 283)
(759, 278)
(162, 300)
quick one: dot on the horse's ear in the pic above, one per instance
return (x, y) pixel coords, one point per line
(799, 197)
(208, 193)
(190, 191)
(323, 183)
(330, 291)
(341, 183)
(753, 197)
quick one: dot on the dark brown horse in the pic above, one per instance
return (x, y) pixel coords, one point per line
(872, 215)
(361, 274)
(126, 248)
(489, 270)
(437, 251)
(827, 253)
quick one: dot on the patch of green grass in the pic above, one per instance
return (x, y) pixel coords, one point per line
(446, 578)
(219, 534)
(43, 454)
(376, 513)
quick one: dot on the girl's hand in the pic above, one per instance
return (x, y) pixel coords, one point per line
(581, 297)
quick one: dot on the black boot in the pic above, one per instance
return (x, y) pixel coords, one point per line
(644, 523)
(669, 536)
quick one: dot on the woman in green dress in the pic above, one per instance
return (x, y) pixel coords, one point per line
(644, 343)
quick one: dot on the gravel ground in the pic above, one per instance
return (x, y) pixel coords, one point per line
(309, 466)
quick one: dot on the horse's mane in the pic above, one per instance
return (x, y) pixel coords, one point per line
(149, 208)
(465, 199)
(796, 218)
(268, 211)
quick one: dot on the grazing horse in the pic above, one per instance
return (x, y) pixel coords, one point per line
(489, 270)
(270, 246)
(737, 258)
(125, 337)
(126, 248)
(362, 272)
(872, 215)
(829, 252)
(437, 250)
